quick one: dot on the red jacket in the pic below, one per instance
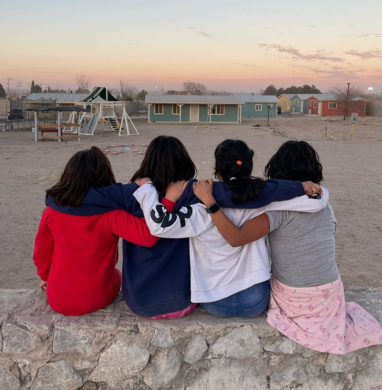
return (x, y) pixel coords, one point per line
(78, 255)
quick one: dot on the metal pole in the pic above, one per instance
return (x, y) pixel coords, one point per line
(35, 126)
(347, 105)
(59, 125)
(268, 114)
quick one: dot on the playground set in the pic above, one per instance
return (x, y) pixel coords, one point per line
(99, 106)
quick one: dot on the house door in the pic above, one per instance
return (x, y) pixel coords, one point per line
(302, 106)
(194, 113)
(319, 108)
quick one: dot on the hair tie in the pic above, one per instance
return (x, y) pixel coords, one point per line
(238, 162)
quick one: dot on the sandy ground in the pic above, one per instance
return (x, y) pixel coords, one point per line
(352, 171)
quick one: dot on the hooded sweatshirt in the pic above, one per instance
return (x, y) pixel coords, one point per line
(77, 256)
(156, 280)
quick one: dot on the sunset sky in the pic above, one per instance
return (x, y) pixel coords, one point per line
(241, 45)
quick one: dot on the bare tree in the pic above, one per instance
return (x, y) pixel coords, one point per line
(127, 91)
(346, 97)
(195, 88)
(219, 93)
(84, 83)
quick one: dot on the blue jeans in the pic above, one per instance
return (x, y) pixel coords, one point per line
(248, 303)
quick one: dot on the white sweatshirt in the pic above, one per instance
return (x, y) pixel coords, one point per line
(217, 269)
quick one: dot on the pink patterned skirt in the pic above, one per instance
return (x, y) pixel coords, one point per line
(320, 319)
(176, 314)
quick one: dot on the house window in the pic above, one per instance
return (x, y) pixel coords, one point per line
(218, 109)
(310, 104)
(158, 108)
(258, 107)
(175, 109)
(315, 105)
(333, 106)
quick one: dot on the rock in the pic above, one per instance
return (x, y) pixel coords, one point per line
(294, 371)
(120, 361)
(68, 339)
(240, 343)
(16, 338)
(324, 382)
(289, 347)
(235, 376)
(341, 363)
(370, 301)
(57, 376)
(8, 380)
(162, 338)
(163, 368)
(371, 378)
(195, 349)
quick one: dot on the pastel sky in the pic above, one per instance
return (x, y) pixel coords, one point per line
(241, 45)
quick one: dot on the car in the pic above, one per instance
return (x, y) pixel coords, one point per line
(279, 110)
(15, 113)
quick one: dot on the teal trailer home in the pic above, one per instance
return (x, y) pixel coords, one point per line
(300, 102)
(257, 106)
(194, 108)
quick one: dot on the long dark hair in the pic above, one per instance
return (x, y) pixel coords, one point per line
(295, 160)
(166, 161)
(234, 163)
(85, 169)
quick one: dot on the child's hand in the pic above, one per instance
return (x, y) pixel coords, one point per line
(311, 188)
(142, 181)
(203, 190)
(43, 285)
(175, 190)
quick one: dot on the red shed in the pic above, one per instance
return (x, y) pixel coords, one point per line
(327, 104)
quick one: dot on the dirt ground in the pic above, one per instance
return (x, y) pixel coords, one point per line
(352, 171)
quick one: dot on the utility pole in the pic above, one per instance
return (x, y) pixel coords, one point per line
(8, 80)
(268, 114)
(347, 101)
(19, 85)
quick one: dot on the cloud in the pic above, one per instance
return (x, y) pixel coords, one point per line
(365, 55)
(296, 54)
(334, 72)
(204, 34)
(199, 32)
(356, 36)
(377, 35)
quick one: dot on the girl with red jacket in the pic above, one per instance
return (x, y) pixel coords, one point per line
(76, 256)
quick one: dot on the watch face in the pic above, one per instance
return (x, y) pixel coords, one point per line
(214, 208)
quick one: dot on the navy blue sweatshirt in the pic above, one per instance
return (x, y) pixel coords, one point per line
(157, 280)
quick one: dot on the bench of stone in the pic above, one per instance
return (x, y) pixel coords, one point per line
(115, 349)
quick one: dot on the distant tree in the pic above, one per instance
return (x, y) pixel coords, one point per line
(195, 88)
(127, 91)
(45, 90)
(58, 91)
(270, 90)
(142, 95)
(2, 92)
(48, 88)
(280, 91)
(347, 98)
(83, 83)
(170, 92)
(35, 88)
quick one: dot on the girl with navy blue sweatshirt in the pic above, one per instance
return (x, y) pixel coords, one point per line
(156, 280)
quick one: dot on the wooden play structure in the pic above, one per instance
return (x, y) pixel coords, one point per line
(102, 105)
(58, 126)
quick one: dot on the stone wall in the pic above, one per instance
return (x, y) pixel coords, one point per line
(114, 349)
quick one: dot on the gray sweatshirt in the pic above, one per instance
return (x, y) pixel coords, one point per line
(303, 247)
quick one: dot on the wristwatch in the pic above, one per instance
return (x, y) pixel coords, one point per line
(213, 208)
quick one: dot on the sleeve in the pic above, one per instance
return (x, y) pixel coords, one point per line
(130, 228)
(274, 191)
(277, 219)
(301, 204)
(189, 221)
(43, 248)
